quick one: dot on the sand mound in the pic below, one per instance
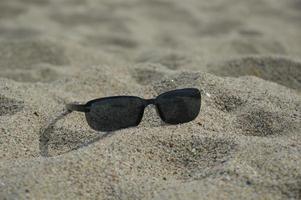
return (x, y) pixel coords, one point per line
(164, 158)
(280, 70)
(31, 61)
(29, 53)
(43, 60)
(172, 60)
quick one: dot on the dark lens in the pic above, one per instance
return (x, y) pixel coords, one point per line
(179, 106)
(110, 114)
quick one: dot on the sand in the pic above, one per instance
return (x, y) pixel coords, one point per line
(245, 143)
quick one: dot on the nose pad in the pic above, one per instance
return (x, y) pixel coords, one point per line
(151, 117)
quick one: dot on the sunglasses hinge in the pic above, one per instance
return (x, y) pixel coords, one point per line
(150, 101)
(78, 107)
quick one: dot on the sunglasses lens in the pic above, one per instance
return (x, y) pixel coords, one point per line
(115, 113)
(179, 106)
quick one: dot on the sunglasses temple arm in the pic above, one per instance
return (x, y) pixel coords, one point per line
(77, 107)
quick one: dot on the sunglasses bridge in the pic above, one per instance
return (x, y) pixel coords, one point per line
(150, 102)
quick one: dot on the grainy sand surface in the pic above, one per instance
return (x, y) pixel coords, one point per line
(245, 144)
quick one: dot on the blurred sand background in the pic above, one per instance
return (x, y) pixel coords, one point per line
(246, 142)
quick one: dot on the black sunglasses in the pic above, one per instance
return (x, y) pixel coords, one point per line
(117, 112)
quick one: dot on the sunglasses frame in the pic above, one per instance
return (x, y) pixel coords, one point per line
(154, 101)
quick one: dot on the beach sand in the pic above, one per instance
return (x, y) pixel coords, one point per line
(245, 143)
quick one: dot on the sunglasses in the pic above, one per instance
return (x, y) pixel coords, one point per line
(118, 112)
